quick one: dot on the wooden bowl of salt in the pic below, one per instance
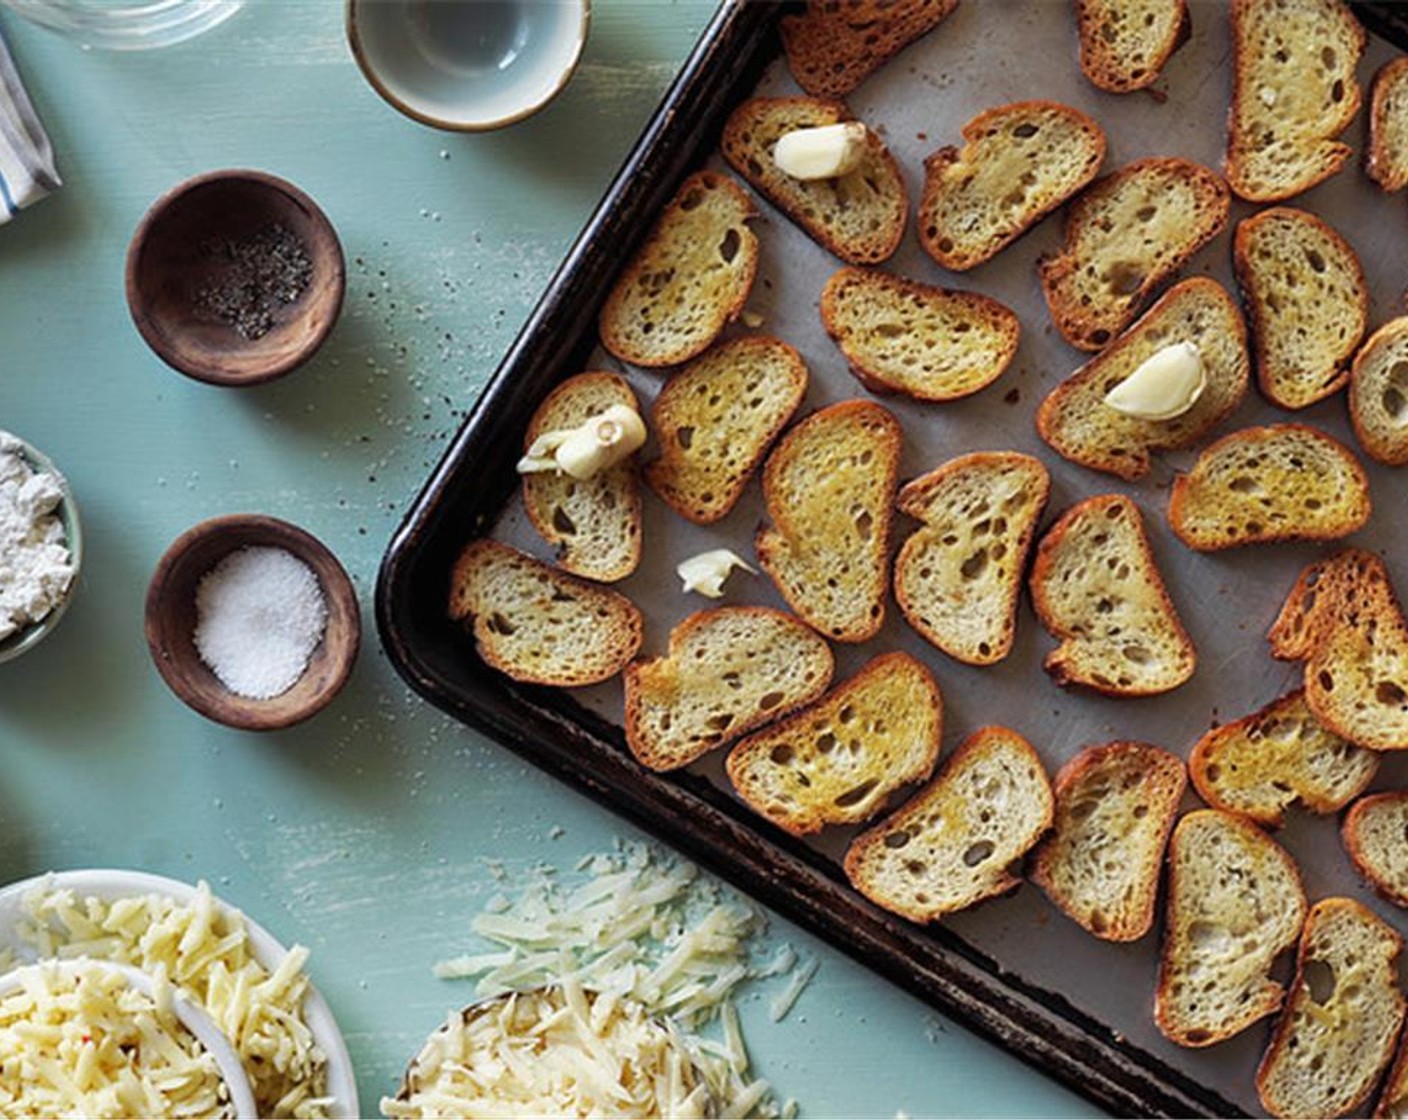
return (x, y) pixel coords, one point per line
(252, 622)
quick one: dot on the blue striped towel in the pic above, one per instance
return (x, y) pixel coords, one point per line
(26, 158)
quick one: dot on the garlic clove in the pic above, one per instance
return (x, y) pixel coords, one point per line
(707, 572)
(826, 152)
(1164, 386)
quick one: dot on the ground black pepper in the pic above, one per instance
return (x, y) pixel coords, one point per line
(254, 277)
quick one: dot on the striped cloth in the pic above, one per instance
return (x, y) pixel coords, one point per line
(26, 158)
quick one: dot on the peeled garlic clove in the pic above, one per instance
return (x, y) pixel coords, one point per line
(706, 572)
(1164, 386)
(826, 152)
(600, 442)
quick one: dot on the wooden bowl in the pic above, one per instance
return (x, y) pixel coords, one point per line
(171, 623)
(175, 256)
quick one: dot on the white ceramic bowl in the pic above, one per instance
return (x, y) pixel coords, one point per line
(26, 639)
(108, 885)
(467, 65)
(191, 1015)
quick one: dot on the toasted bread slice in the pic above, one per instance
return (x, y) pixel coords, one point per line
(535, 623)
(839, 761)
(728, 671)
(1264, 763)
(859, 216)
(1378, 394)
(958, 840)
(690, 278)
(829, 487)
(1115, 806)
(959, 576)
(900, 336)
(595, 523)
(1020, 162)
(1308, 302)
(1373, 832)
(1345, 623)
(1393, 1097)
(1293, 92)
(715, 420)
(1125, 43)
(1234, 904)
(837, 44)
(1284, 482)
(1386, 161)
(1096, 587)
(1075, 420)
(1337, 1031)
(1126, 235)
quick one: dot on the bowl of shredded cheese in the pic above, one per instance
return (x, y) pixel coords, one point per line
(560, 1050)
(256, 990)
(96, 1039)
(41, 546)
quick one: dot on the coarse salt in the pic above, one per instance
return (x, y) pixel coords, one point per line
(260, 613)
(36, 566)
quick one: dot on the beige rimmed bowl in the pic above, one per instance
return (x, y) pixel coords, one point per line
(467, 65)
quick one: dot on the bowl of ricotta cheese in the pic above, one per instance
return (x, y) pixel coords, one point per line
(41, 546)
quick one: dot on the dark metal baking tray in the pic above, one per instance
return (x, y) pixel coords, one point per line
(467, 493)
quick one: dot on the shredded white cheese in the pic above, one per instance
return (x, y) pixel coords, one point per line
(560, 1051)
(204, 950)
(648, 928)
(83, 1042)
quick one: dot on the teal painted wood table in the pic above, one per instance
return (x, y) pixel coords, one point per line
(375, 832)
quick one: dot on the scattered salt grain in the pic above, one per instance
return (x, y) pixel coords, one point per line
(260, 613)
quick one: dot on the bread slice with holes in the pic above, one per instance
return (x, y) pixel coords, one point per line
(1115, 806)
(1125, 43)
(958, 577)
(1125, 235)
(839, 761)
(538, 624)
(1375, 834)
(1235, 903)
(1097, 589)
(690, 278)
(1018, 164)
(1293, 93)
(1336, 1034)
(1075, 420)
(728, 670)
(1386, 160)
(901, 336)
(595, 523)
(960, 839)
(829, 487)
(1280, 756)
(1345, 623)
(1283, 482)
(836, 44)
(859, 216)
(1378, 394)
(1307, 299)
(715, 420)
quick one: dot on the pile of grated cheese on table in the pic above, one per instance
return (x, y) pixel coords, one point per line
(203, 949)
(86, 1043)
(647, 927)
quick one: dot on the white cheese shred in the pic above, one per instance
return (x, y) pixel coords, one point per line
(642, 930)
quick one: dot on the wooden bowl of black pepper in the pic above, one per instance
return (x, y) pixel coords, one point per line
(252, 622)
(235, 277)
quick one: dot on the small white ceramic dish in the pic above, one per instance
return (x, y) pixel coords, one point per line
(191, 1015)
(108, 884)
(467, 65)
(26, 639)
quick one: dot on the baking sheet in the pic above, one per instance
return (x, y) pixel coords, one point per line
(987, 54)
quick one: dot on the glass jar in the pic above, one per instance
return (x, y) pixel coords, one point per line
(126, 25)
